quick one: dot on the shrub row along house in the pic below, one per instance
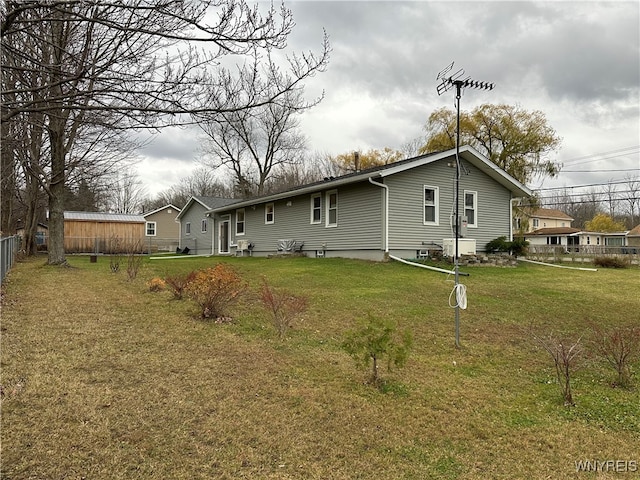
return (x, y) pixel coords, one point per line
(403, 209)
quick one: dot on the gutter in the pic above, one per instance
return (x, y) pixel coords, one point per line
(386, 212)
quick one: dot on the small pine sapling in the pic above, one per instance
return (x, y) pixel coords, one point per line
(373, 342)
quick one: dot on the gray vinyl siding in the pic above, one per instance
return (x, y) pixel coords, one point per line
(406, 206)
(199, 243)
(359, 222)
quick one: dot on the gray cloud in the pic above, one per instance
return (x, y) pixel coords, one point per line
(578, 62)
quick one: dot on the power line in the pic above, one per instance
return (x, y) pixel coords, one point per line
(605, 156)
(602, 171)
(616, 182)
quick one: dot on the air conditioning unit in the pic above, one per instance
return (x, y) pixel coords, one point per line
(466, 246)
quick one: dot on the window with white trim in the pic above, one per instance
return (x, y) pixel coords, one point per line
(332, 208)
(431, 207)
(187, 228)
(536, 223)
(151, 229)
(471, 208)
(203, 225)
(240, 221)
(269, 213)
(316, 208)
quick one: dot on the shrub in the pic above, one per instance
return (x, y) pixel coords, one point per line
(156, 285)
(374, 340)
(178, 283)
(610, 262)
(566, 356)
(620, 347)
(134, 259)
(517, 247)
(215, 290)
(283, 307)
(499, 244)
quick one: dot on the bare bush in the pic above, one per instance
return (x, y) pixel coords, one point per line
(178, 283)
(283, 307)
(566, 355)
(620, 347)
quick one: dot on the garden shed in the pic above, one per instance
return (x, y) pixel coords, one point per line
(96, 232)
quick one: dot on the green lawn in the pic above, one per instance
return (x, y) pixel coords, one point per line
(103, 379)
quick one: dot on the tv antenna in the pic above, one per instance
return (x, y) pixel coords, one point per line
(447, 81)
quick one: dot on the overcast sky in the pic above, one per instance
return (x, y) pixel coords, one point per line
(577, 62)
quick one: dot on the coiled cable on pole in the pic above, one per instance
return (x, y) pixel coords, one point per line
(460, 293)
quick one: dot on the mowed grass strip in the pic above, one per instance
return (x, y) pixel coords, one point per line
(103, 379)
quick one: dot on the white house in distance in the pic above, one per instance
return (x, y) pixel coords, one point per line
(552, 228)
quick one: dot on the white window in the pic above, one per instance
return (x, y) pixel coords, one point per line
(151, 229)
(240, 221)
(332, 208)
(431, 207)
(187, 228)
(203, 225)
(536, 223)
(471, 208)
(316, 208)
(269, 213)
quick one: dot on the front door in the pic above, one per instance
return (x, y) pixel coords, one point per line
(223, 236)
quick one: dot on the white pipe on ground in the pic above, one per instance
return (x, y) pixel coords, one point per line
(435, 269)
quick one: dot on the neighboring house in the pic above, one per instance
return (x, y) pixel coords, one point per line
(162, 231)
(576, 240)
(42, 232)
(94, 232)
(633, 237)
(566, 237)
(541, 218)
(196, 224)
(401, 209)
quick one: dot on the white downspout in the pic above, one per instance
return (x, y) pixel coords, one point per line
(386, 213)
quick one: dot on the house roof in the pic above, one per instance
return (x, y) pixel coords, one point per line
(160, 209)
(466, 153)
(208, 203)
(634, 232)
(554, 231)
(103, 217)
(549, 213)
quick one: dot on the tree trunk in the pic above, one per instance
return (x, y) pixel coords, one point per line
(8, 188)
(56, 195)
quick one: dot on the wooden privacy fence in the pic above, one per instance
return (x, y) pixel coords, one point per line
(108, 245)
(8, 250)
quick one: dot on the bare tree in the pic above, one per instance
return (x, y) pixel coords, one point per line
(123, 65)
(255, 145)
(126, 192)
(609, 191)
(631, 198)
(202, 182)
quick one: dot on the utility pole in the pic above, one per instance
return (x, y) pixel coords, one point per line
(447, 80)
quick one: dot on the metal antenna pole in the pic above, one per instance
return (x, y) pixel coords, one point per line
(446, 81)
(457, 220)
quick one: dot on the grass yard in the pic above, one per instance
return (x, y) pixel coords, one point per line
(103, 379)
